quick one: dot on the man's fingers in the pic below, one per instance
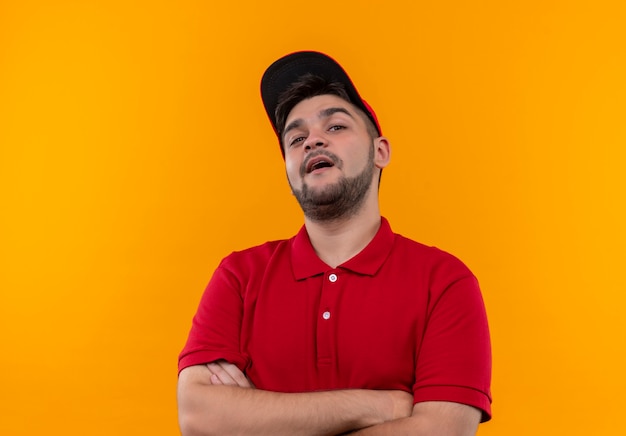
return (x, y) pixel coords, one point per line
(215, 380)
(220, 376)
(403, 404)
(235, 373)
(228, 374)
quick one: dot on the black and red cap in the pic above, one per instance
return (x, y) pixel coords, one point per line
(285, 71)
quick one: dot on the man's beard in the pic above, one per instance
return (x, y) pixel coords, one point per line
(342, 199)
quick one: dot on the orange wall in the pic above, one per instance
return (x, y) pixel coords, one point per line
(135, 153)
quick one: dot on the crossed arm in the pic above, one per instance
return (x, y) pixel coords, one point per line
(218, 399)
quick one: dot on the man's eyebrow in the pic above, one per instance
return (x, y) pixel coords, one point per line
(292, 125)
(333, 110)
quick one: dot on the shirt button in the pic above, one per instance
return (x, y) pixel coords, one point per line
(326, 315)
(332, 278)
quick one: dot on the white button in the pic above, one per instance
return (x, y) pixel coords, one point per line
(332, 278)
(326, 315)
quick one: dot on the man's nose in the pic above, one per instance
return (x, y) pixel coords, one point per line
(314, 141)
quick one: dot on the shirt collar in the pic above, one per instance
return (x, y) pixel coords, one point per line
(306, 263)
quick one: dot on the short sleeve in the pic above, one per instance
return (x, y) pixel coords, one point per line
(454, 360)
(215, 330)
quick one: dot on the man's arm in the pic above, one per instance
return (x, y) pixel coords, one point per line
(430, 418)
(221, 402)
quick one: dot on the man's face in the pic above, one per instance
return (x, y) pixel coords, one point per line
(329, 157)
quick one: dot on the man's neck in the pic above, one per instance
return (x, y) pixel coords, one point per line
(339, 240)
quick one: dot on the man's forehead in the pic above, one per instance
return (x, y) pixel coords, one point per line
(320, 106)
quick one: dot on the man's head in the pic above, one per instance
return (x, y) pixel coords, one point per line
(329, 137)
(330, 157)
(308, 86)
(302, 75)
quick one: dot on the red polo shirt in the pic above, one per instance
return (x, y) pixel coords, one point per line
(398, 315)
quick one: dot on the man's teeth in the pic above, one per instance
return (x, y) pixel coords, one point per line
(321, 164)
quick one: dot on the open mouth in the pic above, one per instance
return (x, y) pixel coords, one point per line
(318, 163)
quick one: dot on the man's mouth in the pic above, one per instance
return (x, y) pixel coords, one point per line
(318, 163)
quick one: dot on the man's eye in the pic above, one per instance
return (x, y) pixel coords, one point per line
(336, 127)
(296, 140)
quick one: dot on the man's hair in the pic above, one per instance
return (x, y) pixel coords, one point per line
(311, 85)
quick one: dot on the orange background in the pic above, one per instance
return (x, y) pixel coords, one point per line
(135, 154)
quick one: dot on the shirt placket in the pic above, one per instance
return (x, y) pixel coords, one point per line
(326, 326)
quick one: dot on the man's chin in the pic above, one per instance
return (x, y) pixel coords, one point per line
(321, 196)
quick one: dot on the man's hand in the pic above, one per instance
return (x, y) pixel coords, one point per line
(396, 405)
(401, 403)
(224, 373)
(217, 398)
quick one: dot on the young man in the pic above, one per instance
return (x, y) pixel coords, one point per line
(346, 327)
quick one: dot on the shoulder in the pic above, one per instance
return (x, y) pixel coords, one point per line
(414, 257)
(435, 269)
(430, 256)
(245, 269)
(255, 257)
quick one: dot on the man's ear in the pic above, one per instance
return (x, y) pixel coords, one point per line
(382, 152)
